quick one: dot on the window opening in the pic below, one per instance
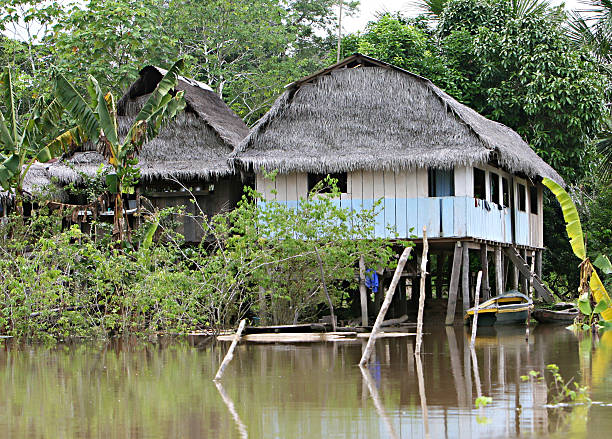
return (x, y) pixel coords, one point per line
(522, 202)
(441, 182)
(533, 199)
(341, 177)
(494, 187)
(505, 192)
(480, 190)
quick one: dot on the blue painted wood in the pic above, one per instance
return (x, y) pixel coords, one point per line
(390, 217)
(429, 216)
(379, 227)
(412, 216)
(460, 216)
(448, 216)
(401, 220)
(522, 228)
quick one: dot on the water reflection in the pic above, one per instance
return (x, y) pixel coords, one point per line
(165, 389)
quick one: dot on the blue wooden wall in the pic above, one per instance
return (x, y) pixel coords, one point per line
(456, 217)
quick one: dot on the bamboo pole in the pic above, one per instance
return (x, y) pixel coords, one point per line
(339, 31)
(419, 337)
(385, 306)
(230, 352)
(363, 294)
(476, 302)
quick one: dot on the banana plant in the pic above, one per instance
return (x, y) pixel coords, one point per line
(589, 279)
(98, 122)
(20, 140)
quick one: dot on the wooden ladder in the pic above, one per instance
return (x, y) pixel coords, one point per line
(541, 289)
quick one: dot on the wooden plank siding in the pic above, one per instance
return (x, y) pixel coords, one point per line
(407, 206)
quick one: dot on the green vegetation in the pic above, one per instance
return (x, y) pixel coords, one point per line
(60, 283)
(560, 391)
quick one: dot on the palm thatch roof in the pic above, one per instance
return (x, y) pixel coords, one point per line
(37, 182)
(195, 145)
(362, 113)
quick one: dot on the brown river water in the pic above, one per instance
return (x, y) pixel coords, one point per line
(164, 389)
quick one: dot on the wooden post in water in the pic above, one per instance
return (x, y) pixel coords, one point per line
(230, 352)
(476, 302)
(385, 306)
(465, 280)
(363, 293)
(524, 279)
(499, 271)
(419, 336)
(454, 285)
(484, 261)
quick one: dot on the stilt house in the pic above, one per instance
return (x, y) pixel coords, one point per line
(190, 155)
(386, 133)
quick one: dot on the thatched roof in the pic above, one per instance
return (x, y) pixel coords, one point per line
(37, 182)
(366, 114)
(196, 144)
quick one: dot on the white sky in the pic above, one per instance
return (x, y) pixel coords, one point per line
(369, 9)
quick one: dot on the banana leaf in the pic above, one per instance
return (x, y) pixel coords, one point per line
(603, 263)
(8, 169)
(572, 220)
(8, 97)
(167, 83)
(64, 143)
(72, 101)
(105, 114)
(599, 293)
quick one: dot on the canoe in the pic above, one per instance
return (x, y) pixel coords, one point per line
(564, 317)
(511, 308)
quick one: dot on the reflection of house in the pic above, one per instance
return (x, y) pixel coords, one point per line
(191, 153)
(386, 133)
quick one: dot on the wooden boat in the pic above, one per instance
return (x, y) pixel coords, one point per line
(511, 308)
(561, 313)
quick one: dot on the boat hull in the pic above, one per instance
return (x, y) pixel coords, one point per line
(501, 318)
(565, 317)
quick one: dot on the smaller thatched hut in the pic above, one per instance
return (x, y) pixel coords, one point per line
(189, 157)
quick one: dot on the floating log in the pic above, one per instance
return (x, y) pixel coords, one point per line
(304, 337)
(392, 322)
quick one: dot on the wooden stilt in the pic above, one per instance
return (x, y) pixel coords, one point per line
(499, 275)
(230, 352)
(454, 284)
(439, 269)
(506, 272)
(465, 279)
(524, 279)
(484, 261)
(515, 277)
(363, 293)
(419, 336)
(383, 310)
(538, 266)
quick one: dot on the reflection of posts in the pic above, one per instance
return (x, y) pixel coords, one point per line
(230, 407)
(380, 409)
(475, 317)
(419, 368)
(455, 359)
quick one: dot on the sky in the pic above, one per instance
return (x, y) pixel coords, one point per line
(369, 9)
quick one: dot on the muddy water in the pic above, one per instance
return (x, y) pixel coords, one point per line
(164, 389)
